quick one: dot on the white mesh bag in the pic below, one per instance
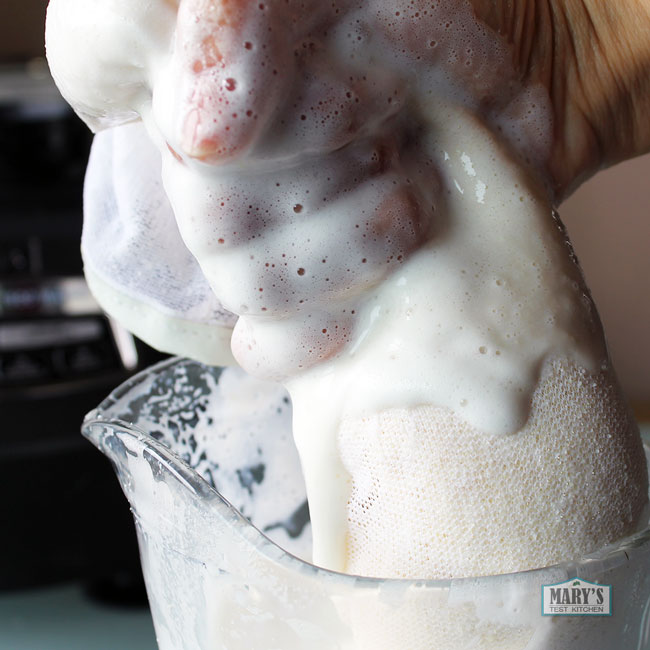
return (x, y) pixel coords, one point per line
(135, 260)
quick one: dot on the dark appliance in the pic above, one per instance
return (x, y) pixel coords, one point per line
(62, 514)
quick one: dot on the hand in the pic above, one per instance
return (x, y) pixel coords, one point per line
(354, 167)
(258, 76)
(592, 59)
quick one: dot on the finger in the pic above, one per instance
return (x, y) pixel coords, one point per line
(231, 72)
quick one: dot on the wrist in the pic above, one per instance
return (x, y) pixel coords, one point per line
(603, 60)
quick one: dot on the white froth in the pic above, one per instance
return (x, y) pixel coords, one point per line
(333, 170)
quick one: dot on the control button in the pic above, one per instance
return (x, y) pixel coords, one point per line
(14, 259)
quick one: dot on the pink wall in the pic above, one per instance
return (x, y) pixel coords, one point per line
(608, 219)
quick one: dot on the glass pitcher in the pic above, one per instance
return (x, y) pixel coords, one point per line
(229, 569)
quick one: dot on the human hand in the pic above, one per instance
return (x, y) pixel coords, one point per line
(591, 58)
(367, 211)
(515, 67)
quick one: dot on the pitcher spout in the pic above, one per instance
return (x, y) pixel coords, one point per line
(206, 459)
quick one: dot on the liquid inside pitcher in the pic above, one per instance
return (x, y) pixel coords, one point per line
(206, 459)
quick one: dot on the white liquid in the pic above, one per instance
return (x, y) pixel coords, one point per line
(338, 180)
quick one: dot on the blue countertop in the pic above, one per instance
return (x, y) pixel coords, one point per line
(64, 618)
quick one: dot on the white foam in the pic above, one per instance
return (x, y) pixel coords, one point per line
(335, 173)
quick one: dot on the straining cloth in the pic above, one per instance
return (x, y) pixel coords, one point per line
(429, 496)
(136, 262)
(142, 273)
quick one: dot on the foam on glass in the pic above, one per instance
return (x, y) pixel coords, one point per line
(216, 582)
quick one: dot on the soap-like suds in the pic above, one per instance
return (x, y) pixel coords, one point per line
(423, 272)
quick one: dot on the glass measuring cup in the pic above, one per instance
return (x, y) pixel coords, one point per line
(220, 579)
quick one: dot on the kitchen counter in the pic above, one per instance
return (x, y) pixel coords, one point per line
(64, 618)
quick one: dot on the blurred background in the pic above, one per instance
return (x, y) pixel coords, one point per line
(69, 567)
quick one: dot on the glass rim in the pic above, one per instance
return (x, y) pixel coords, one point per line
(94, 424)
